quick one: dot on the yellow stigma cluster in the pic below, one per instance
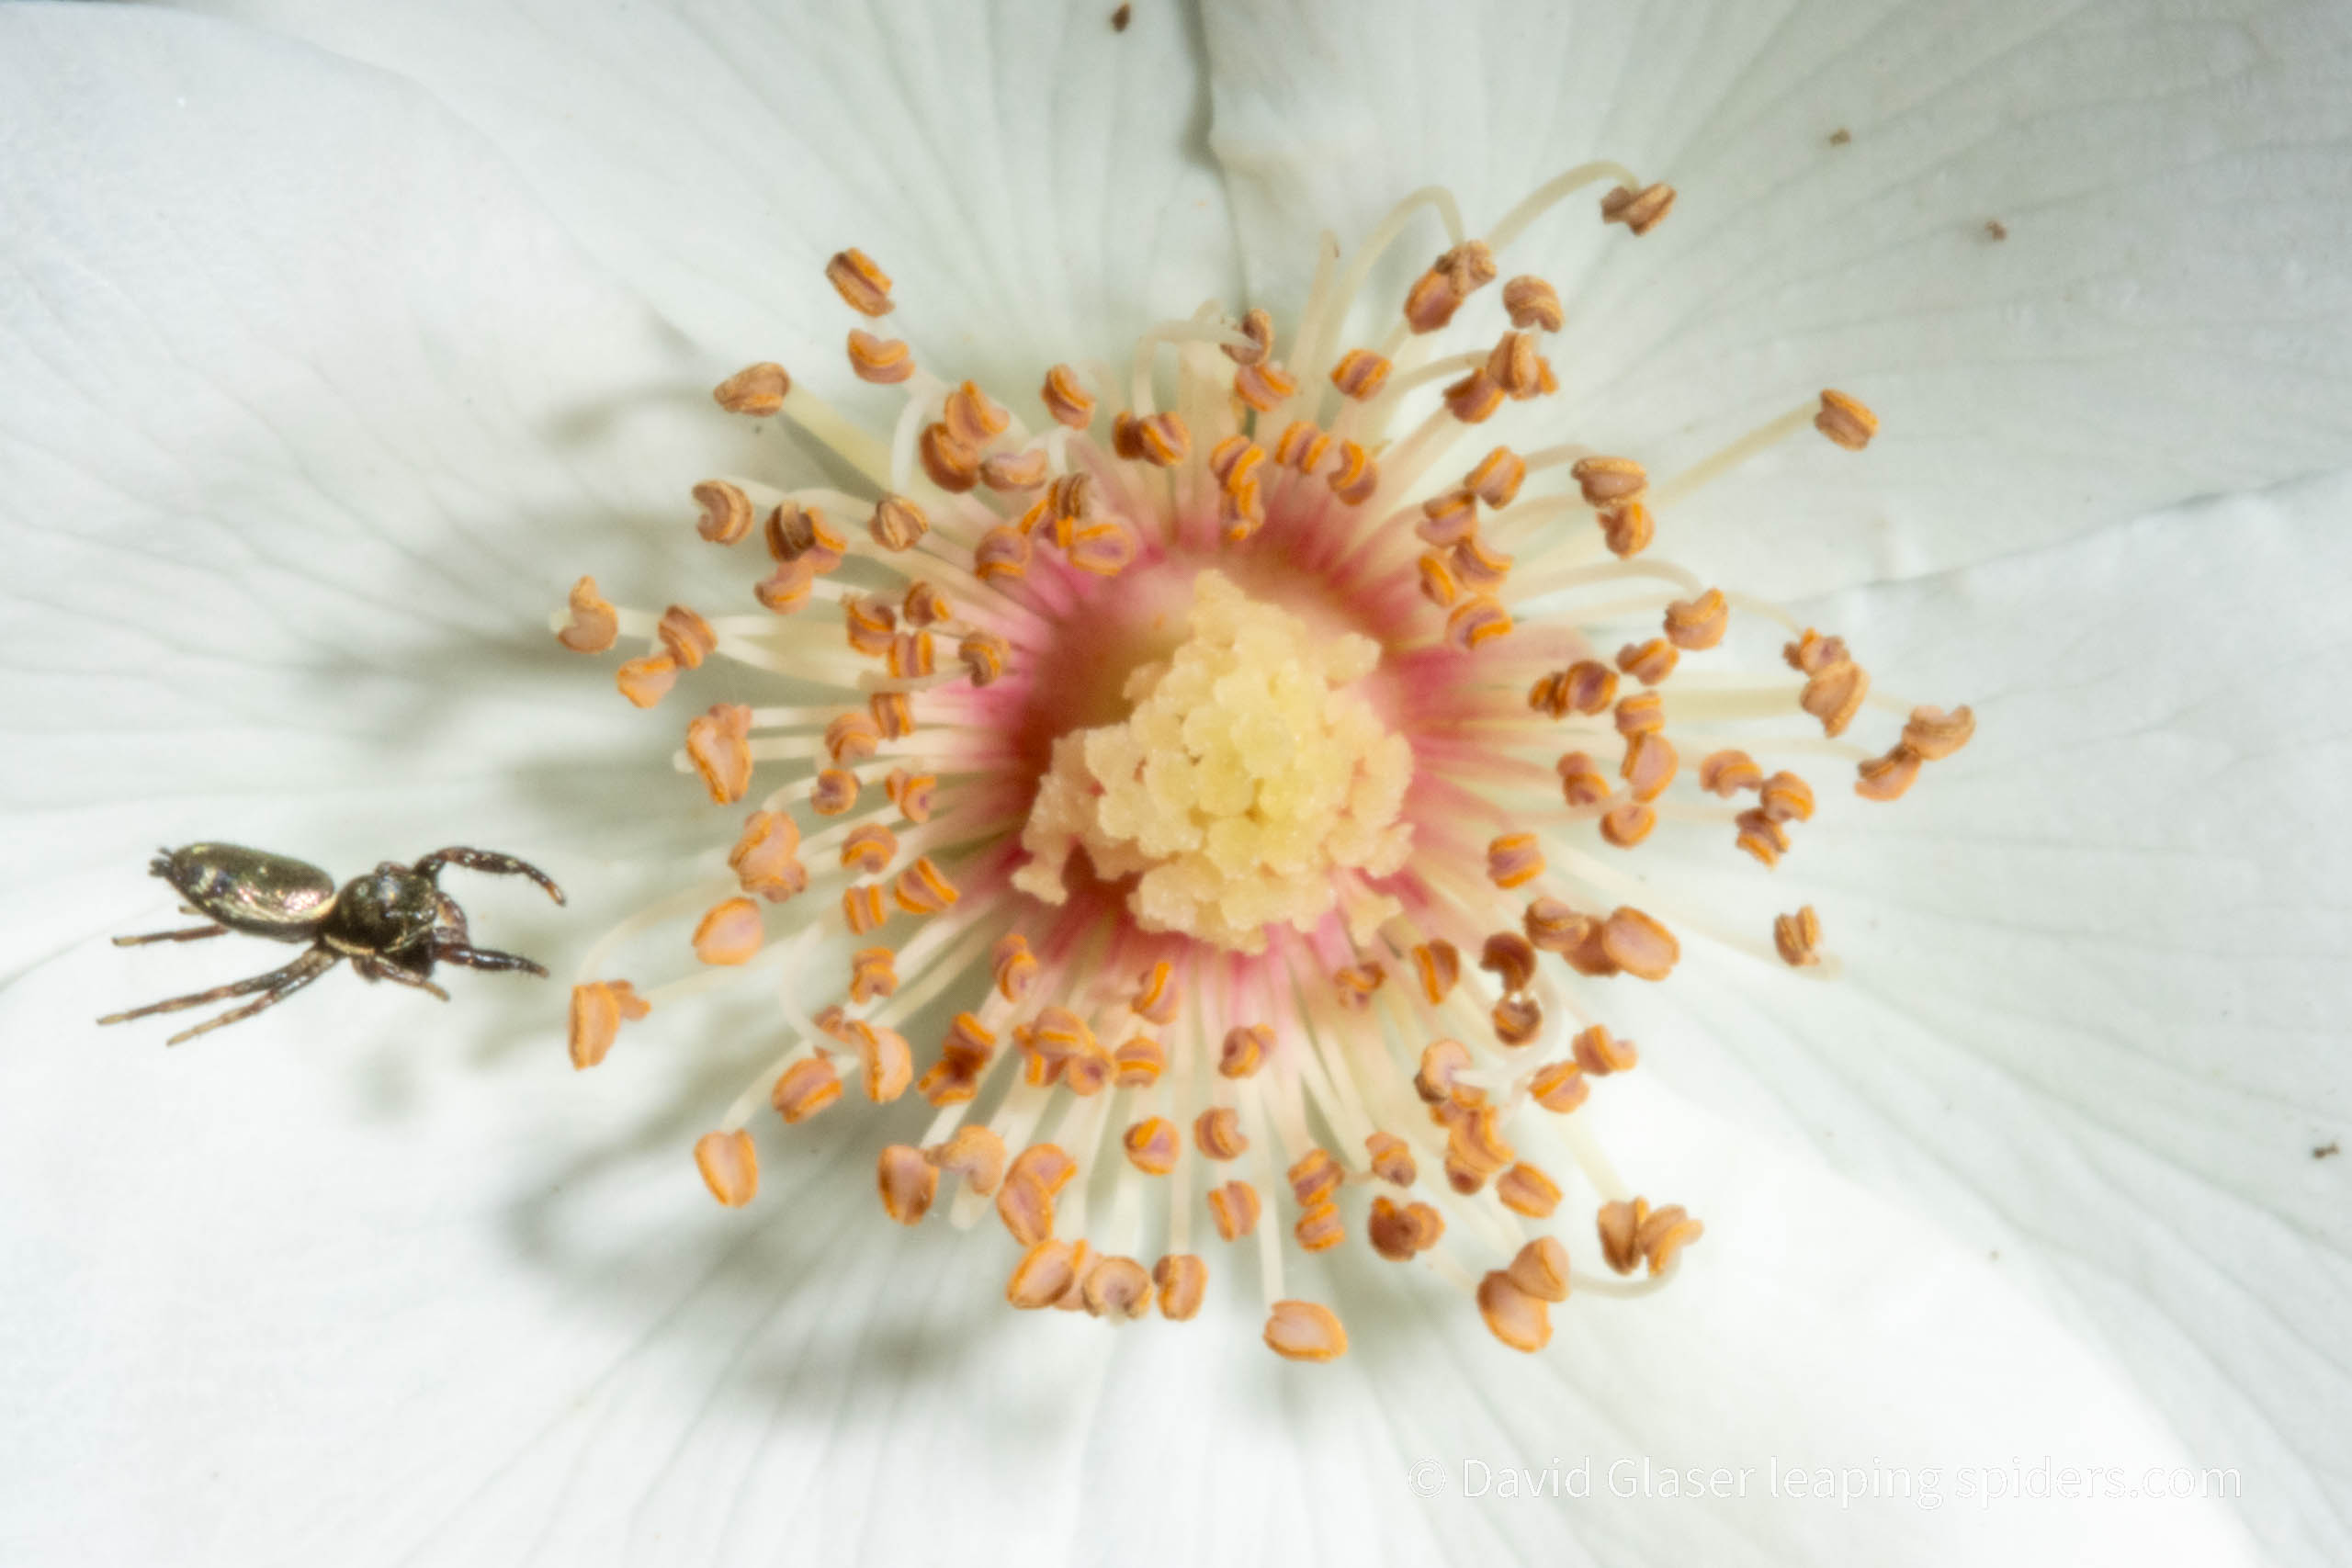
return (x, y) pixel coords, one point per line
(1248, 776)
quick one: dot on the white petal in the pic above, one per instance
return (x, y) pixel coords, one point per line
(312, 418)
(2165, 318)
(2092, 1013)
(1031, 178)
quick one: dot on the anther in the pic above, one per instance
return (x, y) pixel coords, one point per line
(863, 907)
(1648, 663)
(1727, 773)
(883, 361)
(852, 736)
(1610, 481)
(873, 972)
(1627, 823)
(1511, 366)
(726, 512)
(1264, 387)
(1517, 1020)
(1398, 1231)
(1025, 1203)
(907, 1181)
(786, 590)
(869, 623)
(1232, 461)
(862, 286)
(597, 1012)
(869, 847)
(1301, 445)
(1305, 1331)
(1002, 552)
(1043, 1275)
(923, 889)
(1355, 476)
(983, 654)
(1116, 1288)
(1474, 1142)
(1152, 1145)
(1355, 983)
(1437, 580)
(1785, 797)
(1888, 777)
(1234, 1207)
(1476, 620)
(897, 524)
(1525, 1190)
(1440, 1061)
(1533, 304)
(1390, 1159)
(1314, 1178)
(1834, 695)
(686, 635)
(1626, 528)
(1552, 926)
(645, 680)
(833, 792)
(1699, 622)
(1474, 398)
(1479, 568)
(1319, 1228)
(594, 623)
(1934, 733)
(1514, 860)
(1639, 945)
(1650, 764)
(1639, 210)
(1510, 959)
(953, 465)
(1599, 1052)
(911, 656)
(1762, 837)
(1448, 519)
(1105, 548)
(1360, 374)
(730, 1167)
(1217, 1134)
(718, 745)
(1162, 441)
(1643, 712)
(1439, 965)
(1013, 968)
(893, 712)
(1067, 399)
(1541, 1270)
(1182, 1280)
(1518, 1319)
(758, 390)
(1589, 686)
(1664, 1233)
(1559, 1086)
(803, 1088)
(1798, 938)
(974, 1153)
(1845, 421)
(1812, 653)
(1009, 472)
(796, 532)
(1498, 477)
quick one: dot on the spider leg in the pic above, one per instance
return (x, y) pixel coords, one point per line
(380, 969)
(489, 860)
(298, 974)
(278, 983)
(192, 934)
(454, 916)
(485, 958)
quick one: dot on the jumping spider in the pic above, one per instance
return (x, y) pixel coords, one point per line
(394, 923)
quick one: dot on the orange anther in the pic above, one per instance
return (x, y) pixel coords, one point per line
(594, 623)
(730, 1167)
(805, 1088)
(718, 745)
(597, 1010)
(758, 390)
(863, 287)
(1305, 1331)
(726, 512)
(1639, 210)
(1798, 938)
(1845, 421)
(885, 362)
